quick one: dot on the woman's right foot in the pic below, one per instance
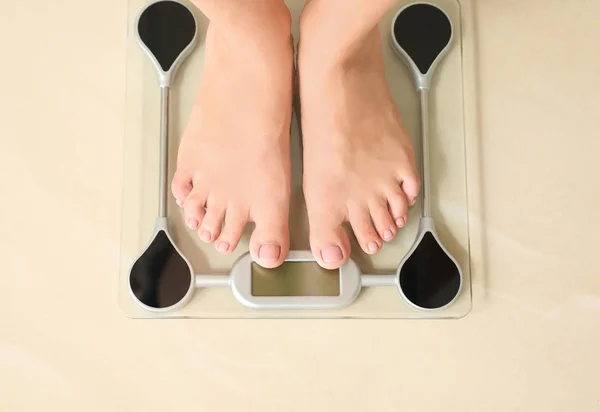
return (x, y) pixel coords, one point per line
(233, 163)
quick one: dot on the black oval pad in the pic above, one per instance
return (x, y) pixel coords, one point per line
(166, 28)
(160, 277)
(423, 31)
(429, 278)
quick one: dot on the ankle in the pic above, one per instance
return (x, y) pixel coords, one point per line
(329, 44)
(351, 53)
(259, 24)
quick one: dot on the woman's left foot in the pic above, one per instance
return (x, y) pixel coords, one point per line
(359, 163)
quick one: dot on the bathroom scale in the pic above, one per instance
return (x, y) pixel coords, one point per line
(167, 272)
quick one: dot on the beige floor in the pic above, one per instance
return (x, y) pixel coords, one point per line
(530, 343)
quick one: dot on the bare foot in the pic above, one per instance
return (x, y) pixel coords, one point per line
(234, 154)
(359, 163)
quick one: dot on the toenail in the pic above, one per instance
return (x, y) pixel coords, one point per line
(412, 202)
(331, 254)
(223, 247)
(373, 247)
(192, 223)
(269, 252)
(387, 234)
(178, 202)
(205, 235)
(400, 222)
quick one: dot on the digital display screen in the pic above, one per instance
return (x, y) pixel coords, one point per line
(295, 279)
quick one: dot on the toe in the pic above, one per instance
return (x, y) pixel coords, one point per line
(398, 205)
(367, 237)
(384, 224)
(270, 240)
(181, 186)
(211, 225)
(329, 241)
(411, 184)
(194, 208)
(235, 222)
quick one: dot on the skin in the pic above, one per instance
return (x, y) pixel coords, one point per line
(359, 165)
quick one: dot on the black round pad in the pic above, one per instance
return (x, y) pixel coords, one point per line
(422, 30)
(160, 277)
(429, 278)
(166, 28)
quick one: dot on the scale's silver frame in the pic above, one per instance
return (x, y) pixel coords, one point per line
(422, 81)
(423, 84)
(241, 285)
(165, 80)
(162, 224)
(239, 280)
(426, 224)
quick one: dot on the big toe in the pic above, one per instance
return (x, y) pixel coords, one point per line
(329, 241)
(270, 240)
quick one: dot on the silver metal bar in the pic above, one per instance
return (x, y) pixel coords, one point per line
(425, 186)
(206, 281)
(164, 150)
(378, 280)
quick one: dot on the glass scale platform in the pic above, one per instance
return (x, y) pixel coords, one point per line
(448, 192)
